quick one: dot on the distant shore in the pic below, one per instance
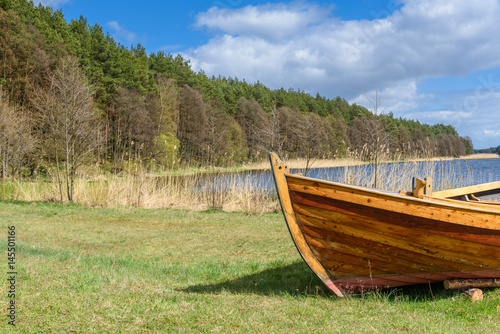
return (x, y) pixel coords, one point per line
(329, 163)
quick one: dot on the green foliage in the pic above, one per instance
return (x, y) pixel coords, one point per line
(489, 150)
(167, 146)
(35, 38)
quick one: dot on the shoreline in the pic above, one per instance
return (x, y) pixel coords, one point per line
(330, 163)
(317, 163)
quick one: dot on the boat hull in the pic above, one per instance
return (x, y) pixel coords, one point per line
(359, 238)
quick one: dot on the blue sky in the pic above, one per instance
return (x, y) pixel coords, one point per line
(432, 60)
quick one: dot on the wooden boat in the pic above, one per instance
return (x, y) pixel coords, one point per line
(357, 238)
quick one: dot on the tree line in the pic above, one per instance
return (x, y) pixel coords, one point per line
(489, 150)
(135, 107)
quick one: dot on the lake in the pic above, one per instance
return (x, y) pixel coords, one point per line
(391, 176)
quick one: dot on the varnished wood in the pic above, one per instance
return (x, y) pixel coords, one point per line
(454, 212)
(461, 253)
(421, 188)
(279, 169)
(355, 212)
(466, 190)
(361, 238)
(406, 261)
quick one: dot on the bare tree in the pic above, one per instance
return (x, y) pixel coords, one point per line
(192, 125)
(133, 127)
(168, 117)
(216, 142)
(376, 103)
(216, 135)
(377, 140)
(16, 139)
(69, 120)
(338, 140)
(312, 138)
(272, 134)
(252, 119)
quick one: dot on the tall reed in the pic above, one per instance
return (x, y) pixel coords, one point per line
(197, 191)
(398, 176)
(228, 192)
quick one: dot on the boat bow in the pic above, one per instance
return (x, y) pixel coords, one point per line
(279, 170)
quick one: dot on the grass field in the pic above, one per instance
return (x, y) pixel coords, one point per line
(131, 270)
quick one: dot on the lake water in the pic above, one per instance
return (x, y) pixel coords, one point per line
(446, 174)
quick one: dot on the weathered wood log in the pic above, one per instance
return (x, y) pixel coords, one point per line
(475, 294)
(472, 283)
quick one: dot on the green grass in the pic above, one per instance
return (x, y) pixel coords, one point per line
(5, 190)
(177, 271)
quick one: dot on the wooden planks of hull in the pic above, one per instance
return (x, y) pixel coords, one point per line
(366, 242)
(397, 262)
(394, 204)
(357, 213)
(433, 246)
(361, 238)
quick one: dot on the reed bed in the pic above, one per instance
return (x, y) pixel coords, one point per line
(225, 191)
(399, 176)
(197, 192)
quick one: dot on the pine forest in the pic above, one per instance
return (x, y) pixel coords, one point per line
(72, 96)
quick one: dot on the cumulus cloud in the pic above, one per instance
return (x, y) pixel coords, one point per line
(398, 98)
(303, 45)
(491, 133)
(484, 125)
(306, 47)
(272, 22)
(52, 3)
(121, 32)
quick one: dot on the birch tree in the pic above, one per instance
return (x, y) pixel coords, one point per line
(69, 121)
(166, 141)
(312, 138)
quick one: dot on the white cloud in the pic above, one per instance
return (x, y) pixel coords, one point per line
(398, 98)
(279, 44)
(301, 45)
(272, 22)
(491, 133)
(474, 113)
(52, 3)
(121, 32)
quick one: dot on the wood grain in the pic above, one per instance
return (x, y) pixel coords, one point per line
(359, 238)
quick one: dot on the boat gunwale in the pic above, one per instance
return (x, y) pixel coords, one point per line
(486, 208)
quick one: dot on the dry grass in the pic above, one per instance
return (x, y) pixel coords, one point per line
(301, 163)
(398, 176)
(228, 191)
(354, 160)
(145, 191)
